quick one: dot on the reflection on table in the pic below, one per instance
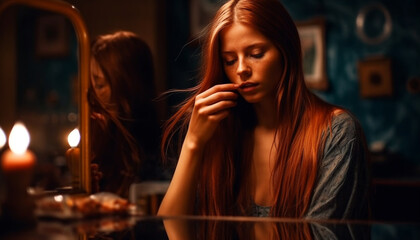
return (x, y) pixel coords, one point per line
(190, 227)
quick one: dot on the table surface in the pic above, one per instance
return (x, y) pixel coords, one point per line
(194, 227)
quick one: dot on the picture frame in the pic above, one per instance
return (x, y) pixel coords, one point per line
(312, 38)
(375, 77)
(52, 37)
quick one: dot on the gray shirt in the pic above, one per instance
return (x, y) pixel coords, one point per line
(340, 191)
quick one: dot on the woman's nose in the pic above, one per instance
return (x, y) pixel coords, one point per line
(243, 70)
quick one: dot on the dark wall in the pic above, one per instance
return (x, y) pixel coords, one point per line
(392, 121)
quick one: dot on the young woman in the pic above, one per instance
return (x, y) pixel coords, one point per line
(124, 127)
(257, 141)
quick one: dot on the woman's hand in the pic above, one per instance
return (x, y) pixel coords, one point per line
(211, 106)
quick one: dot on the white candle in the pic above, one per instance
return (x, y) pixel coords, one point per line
(73, 157)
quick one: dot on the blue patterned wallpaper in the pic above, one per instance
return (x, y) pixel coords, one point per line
(392, 120)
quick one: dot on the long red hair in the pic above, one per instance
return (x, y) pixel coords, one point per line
(221, 229)
(224, 186)
(128, 133)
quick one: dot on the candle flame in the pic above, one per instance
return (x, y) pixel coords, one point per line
(74, 137)
(19, 138)
(2, 138)
(58, 198)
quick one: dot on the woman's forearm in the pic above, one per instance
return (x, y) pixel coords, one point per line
(180, 197)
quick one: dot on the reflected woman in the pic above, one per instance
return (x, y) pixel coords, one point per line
(257, 141)
(124, 126)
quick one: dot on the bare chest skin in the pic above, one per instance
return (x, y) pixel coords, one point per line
(263, 162)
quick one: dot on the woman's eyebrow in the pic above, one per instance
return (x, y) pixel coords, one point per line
(247, 48)
(255, 45)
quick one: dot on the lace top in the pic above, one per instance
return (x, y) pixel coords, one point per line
(260, 211)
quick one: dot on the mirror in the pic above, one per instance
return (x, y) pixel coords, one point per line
(43, 83)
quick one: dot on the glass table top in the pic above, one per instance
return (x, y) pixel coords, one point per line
(194, 227)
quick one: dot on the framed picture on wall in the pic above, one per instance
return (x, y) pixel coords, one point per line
(52, 38)
(312, 38)
(375, 77)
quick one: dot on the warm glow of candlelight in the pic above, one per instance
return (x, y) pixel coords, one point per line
(58, 198)
(73, 157)
(74, 137)
(17, 164)
(18, 157)
(19, 138)
(2, 138)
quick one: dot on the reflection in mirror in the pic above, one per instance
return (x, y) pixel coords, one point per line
(146, 19)
(73, 157)
(40, 86)
(124, 126)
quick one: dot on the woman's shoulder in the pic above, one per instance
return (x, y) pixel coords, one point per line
(344, 130)
(344, 121)
(343, 117)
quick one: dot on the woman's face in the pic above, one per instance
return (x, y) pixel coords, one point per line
(252, 60)
(100, 84)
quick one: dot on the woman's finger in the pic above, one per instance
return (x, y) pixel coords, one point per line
(218, 88)
(216, 108)
(217, 97)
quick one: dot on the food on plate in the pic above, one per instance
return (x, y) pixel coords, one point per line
(68, 206)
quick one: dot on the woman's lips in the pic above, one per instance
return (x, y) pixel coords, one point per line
(248, 86)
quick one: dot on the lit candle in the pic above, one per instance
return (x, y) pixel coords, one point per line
(18, 157)
(17, 164)
(73, 157)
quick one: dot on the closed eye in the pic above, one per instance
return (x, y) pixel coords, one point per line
(229, 62)
(99, 86)
(257, 55)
